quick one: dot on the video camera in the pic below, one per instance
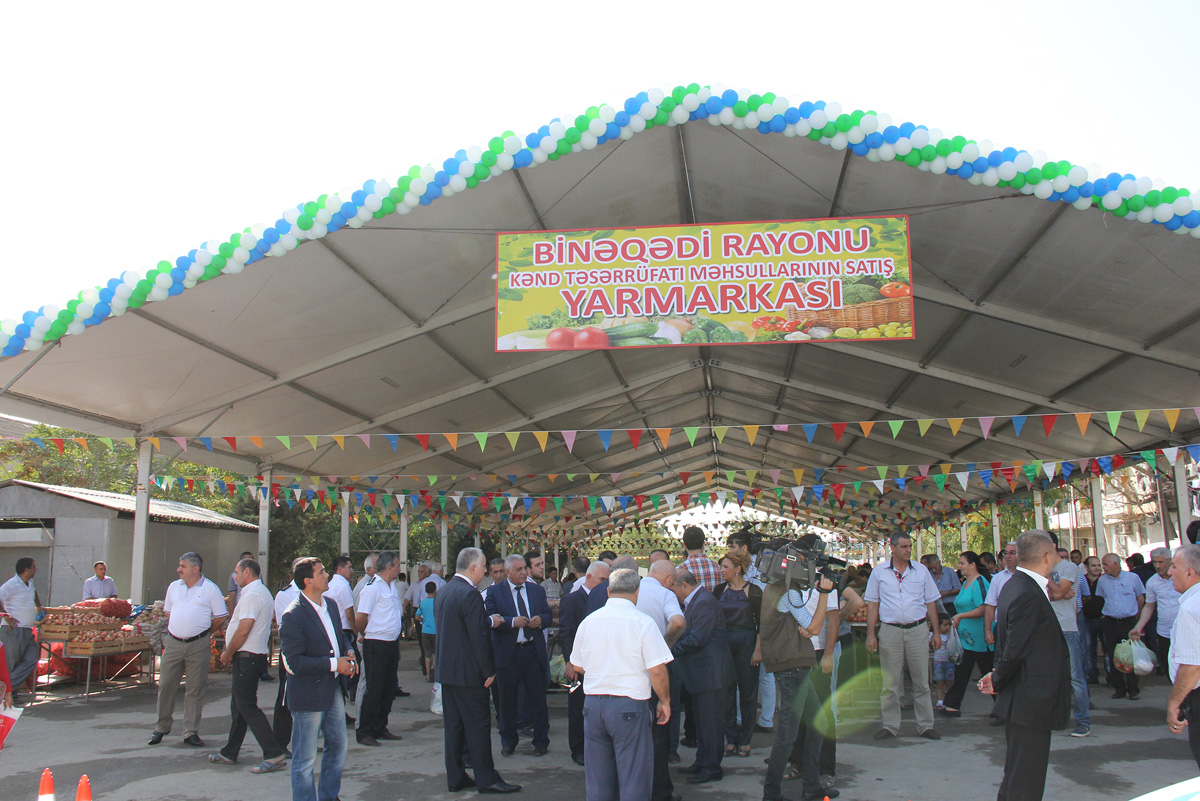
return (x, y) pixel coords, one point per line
(799, 568)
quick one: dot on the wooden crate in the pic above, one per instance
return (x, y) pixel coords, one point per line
(58, 631)
(109, 647)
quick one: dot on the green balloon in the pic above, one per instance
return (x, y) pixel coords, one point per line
(1050, 170)
(217, 263)
(481, 172)
(397, 194)
(1122, 210)
(769, 98)
(489, 158)
(677, 93)
(830, 130)
(815, 134)
(929, 153)
(303, 222)
(1034, 175)
(741, 108)
(1154, 197)
(856, 116)
(321, 200)
(913, 158)
(144, 286)
(496, 144)
(944, 148)
(1018, 180)
(572, 135)
(958, 143)
(1170, 194)
(310, 208)
(581, 122)
(414, 172)
(554, 156)
(135, 302)
(404, 183)
(1185, 193)
(693, 88)
(1064, 167)
(564, 147)
(65, 316)
(1136, 203)
(236, 239)
(668, 104)
(472, 182)
(661, 117)
(378, 215)
(389, 206)
(843, 122)
(163, 266)
(754, 101)
(592, 113)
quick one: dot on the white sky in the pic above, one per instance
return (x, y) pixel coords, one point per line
(132, 133)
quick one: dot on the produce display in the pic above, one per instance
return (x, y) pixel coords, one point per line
(94, 627)
(78, 620)
(623, 332)
(111, 607)
(151, 623)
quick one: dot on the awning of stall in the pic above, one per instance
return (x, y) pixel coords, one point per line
(325, 361)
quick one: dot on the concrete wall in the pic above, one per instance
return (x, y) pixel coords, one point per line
(78, 543)
(166, 542)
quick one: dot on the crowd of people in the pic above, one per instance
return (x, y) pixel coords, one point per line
(696, 654)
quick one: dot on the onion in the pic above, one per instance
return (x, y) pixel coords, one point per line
(668, 331)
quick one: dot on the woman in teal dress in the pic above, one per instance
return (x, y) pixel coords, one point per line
(969, 622)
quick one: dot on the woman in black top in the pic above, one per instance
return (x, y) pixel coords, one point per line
(741, 602)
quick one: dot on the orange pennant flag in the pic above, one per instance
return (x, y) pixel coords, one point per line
(1083, 418)
(82, 442)
(751, 433)
(1172, 416)
(340, 440)
(866, 428)
(708, 477)
(257, 441)
(542, 438)
(955, 424)
(452, 439)
(664, 434)
(154, 441)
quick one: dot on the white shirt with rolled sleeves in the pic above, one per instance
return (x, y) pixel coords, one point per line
(255, 603)
(616, 646)
(19, 601)
(284, 599)
(380, 603)
(1161, 592)
(1120, 594)
(341, 594)
(416, 593)
(99, 588)
(901, 600)
(1185, 634)
(997, 584)
(658, 602)
(192, 609)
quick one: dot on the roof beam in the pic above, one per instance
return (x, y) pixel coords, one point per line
(349, 264)
(837, 190)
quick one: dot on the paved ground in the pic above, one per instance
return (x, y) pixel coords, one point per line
(1129, 753)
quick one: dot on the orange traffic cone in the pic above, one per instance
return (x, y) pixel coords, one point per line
(46, 787)
(84, 793)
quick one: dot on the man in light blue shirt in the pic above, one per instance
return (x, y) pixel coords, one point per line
(99, 585)
(1123, 594)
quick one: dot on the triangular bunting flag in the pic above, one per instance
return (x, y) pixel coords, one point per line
(720, 432)
(691, 432)
(481, 438)
(569, 438)
(605, 439)
(985, 424)
(838, 430)
(1114, 420)
(1082, 419)
(1141, 416)
(664, 434)
(866, 427)
(895, 425)
(452, 438)
(1172, 416)
(751, 433)
(955, 424)
(923, 426)
(542, 438)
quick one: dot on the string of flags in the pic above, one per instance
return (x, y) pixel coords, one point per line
(866, 428)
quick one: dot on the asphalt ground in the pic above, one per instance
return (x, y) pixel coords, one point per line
(1130, 752)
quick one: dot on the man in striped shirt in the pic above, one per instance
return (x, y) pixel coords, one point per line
(696, 563)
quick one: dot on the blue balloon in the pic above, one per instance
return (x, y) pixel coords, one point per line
(191, 255)
(13, 347)
(980, 165)
(106, 295)
(543, 131)
(178, 274)
(632, 105)
(262, 246)
(335, 223)
(1115, 178)
(271, 235)
(348, 210)
(29, 318)
(532, 140)
(369, 185)
(702, 113)
(729, 97)
(820, 104)
(1192, 219)
(642, 98)
(873, 140)
(1173, 224)
(601, 139)
(1054, 197)
(1071, 195)
(1087, 189)
(806, 109)
(358, 197)
(861, 149)
(175, 289)
(792, 116)
(451, 166)
(714, 105)
(1009, 153)
(777, 124)
(764, 127)
(434, 190)
(1101, 187)
(113, 283)
(460, 154)
(907, 128)
(23, 330)
(184, 262)
(426, 200)
(284, 226)
(891, 134)
(523, 158)
(621, 119)
(995, 158)
(102, 310)
(965, 171)
(441, 178)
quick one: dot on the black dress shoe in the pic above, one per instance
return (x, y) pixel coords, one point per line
(194, 741)
(930, 734)
(883, 734)
(541, 750)
(704, 778)
(690, 769)
(266, 677)
(1119, 694)
(155, 738)
(465, 784)
(506, 751)
(688, 742)
(577, 759)
(673, 758)
(501, 787)
(387, 735)
(400, 693)
(367, 739)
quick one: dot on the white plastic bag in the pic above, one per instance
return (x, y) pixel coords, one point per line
(1144, 660)
(435, 701)
(954, 649)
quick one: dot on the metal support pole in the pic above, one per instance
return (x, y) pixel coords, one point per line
(141, 516)
(1039, 514)
(996, 526)
(556, 553)
(404, 540)
(478, 541)
(918, 549)
(345, 524)
(503, 544)
(1102, 544)
(962, 534)
(1183, 500)
(445, 542)
(264, 523)
(938, 535)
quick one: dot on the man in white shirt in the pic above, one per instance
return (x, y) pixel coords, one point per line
(195, 608)
(1061, 592)
(99, 585)
(656, 598)
(368, 574)
(339, 590)
(1124, 595)
(901, 596)
(283, 716)
(247, 642)
(993, 597)
(20, 605)
(377, 616)
(622, 656)
(1161, 596)
(234, 588)
(1183, 706)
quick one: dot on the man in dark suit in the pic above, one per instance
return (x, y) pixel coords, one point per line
(705, 669)
(520, 614)
(466, 670)
(571, 611)
(312, 646)
(1032, 676)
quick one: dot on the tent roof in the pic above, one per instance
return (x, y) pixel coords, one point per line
(1023, 307)
(159, 509)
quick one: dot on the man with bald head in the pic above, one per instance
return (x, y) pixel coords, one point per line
(571, 611)
(1124, 595)
(656, 598)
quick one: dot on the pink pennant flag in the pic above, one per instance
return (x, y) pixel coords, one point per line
(569, 438)
(181, 442)
(924, 469)
(985, 423)
(366, 439)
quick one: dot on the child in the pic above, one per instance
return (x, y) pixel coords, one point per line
(428, 633)
(943, 668)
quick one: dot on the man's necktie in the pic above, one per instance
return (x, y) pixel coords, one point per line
(522, 609)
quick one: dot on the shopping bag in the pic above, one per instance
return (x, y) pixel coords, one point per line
(8, 719)
(954, 649)
(558, 670)
(1123, 656)
(435, 701)
(1144, 660)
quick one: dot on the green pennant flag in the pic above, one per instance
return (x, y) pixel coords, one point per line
(1150, 458)
(481, 438)
(1031, 471)
(882, 470)
(857, 484)
(704, 499)
(654, 499)
(558, 503)
(571, 476)
(729, 475)
(940, 480)
(442, 502)
(287, 442)
(513, 436)
(1114, 420)
(432, 480)
(107, 441)
(384, 500)
(779, 496)
(497, 502)
(895, 425)
(691, 432)
(720, 432)
(750, 476)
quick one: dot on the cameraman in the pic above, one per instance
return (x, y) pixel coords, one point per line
(787, 653)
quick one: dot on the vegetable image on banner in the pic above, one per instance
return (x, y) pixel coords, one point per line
(732, 283)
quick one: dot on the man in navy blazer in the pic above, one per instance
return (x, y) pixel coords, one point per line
(315, 655)
(1032, 676)
(573, 608)
(705, 670)
(520, 614)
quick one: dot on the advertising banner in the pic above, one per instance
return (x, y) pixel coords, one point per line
(687, 285)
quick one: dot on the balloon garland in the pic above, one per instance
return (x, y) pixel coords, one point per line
(865, 133)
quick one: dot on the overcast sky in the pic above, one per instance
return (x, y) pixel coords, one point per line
(132, 133)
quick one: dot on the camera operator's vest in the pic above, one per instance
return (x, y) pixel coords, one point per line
(782, 646)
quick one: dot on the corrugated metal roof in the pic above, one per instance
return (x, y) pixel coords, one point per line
(172, 510)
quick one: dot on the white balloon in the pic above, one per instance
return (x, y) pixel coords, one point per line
(818, 119)
(1043, 190)
(726, 117)
(738, 124)
(991, 176)
(954, 160)
(316, 232)
(607, 113)
(91, 296)
(586, 142)
(512, 145)
(1163, 212)
(887, 152)
(936, 135)
(869, 124)
(648, 110)
(188, 283)
(1111, 200)
(937, 166)
(457, 184)
(465, 168)
(131, 277)
(122, 292)
(838, 141)
(855, 135)
(418, 186)
(1023, 161)
(1039, 158)
(790, 131)
(411, 200)
(76, 327)
(1193, 232)
(1144, 185)
(355, 223)
(637, 124)
(1127, 188)
(765, 112)
(1027, 189)
(1083, 203)
(203, 258)
(9, 327)
(873, 156)
(428, 173)
(923, 166)
(289, 214)
(289, 242)
(494, 170)
(884, 121)
(163, 280)
(474, 154)
(1183, 206)
(1060, 183)
(986, 147)
(656, 95)
(903, 146)
(1145, 215)
(333, 203)
(833, 109)
(803, 128)
(504, 162)
(919, 138)
(751, 120)
(625, 135)
(690, 102)
(970, 152)
(679, 114)
(323, 216)
(1007, 171)
(781, 105)
(1077, 176)
(373, 202)
(33, 344)
(159, 293)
